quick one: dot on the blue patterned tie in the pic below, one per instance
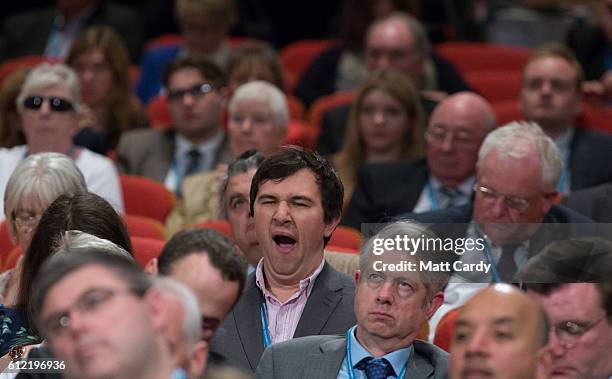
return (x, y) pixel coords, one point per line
(376, 368)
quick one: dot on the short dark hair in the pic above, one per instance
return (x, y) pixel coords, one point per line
(579, 260)
(86, 212)
(292, 159)
(62, 265)
(250, 159)
(222, 253)
(208, 69)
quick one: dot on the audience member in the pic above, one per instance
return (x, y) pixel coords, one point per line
(49, 105)
(254, 61)
(210, 265)
(501, 332)
(258, 118)
(83, 211)
(196, 142)
(445, 178)
(51, 30)
(204, 27)
(98, 316)
(101, 61)
(551, 97)
(183, 330)
(344, 67)
(571, 280)
(397, 41)
(590, 43)
(385, 125)
(36, 182)
(11, 132)
(517, 170)
(296, 202)
(10, 125)
(390, 308)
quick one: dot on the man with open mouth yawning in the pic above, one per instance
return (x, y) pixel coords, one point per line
(296, 201)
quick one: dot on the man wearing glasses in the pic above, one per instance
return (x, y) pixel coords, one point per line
(571, 280)
(517, 172)
(195, 141)
(456, 129)
(390, 307)
(100, 319)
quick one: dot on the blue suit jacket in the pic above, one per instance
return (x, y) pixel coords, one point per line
(152, 68)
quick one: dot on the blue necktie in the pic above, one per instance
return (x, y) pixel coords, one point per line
(376, 368)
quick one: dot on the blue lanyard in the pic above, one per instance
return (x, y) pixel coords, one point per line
(349, 360)
(487, 250)
(563, 183)
(433, 199)
(267, 340)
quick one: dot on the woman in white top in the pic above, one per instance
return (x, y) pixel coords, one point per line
(49, 106)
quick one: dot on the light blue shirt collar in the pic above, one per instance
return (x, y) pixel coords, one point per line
(465, 188)
(397, 358)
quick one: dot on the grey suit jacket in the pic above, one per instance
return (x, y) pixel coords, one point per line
(321, 356)
(329, 310)
(149, 152)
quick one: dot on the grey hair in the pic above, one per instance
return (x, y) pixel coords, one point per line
(192, 322)
(77, 242)
(44, 175)
(433, 281)
(267, 93)
(48, 75)
(421, 40)
(516, 140)
(249, 160)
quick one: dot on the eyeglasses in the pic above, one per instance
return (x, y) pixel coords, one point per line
(195, 92)
(404, 288)
(89, 302)
(26, 219)
(437, 134)
(569, 332)
(57, 104)
(489, 195)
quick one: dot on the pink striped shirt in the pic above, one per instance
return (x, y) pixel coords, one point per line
(283, 318)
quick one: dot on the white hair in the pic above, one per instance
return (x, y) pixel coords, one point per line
(76, 242)
(192, 320)
(47, 75)
(45, 176)
(519, 138)
(267, 93)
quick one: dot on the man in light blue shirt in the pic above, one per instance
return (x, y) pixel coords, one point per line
(394, 297)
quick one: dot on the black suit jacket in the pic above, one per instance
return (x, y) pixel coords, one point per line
(385, 190)
(27, 33)
(590, 158)
(329, 310)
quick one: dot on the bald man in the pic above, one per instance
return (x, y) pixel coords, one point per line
(457, 127)
(500, 333)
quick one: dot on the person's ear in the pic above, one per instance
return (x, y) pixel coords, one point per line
(434, 304)
(198, 359)
(151, 267)
(158, 309)
(331, 226)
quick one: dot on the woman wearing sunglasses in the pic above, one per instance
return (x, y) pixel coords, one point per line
(49, 106)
